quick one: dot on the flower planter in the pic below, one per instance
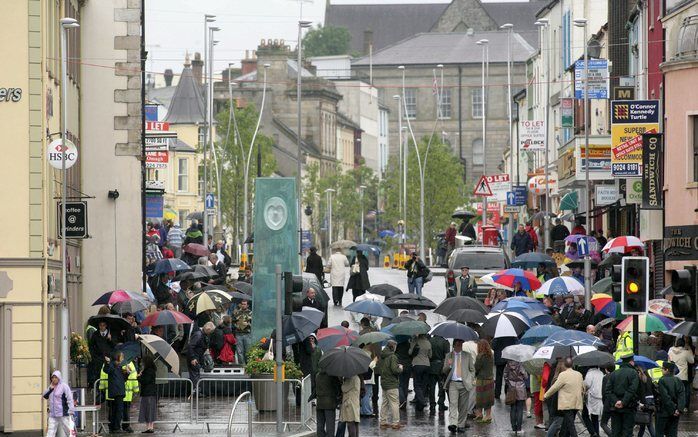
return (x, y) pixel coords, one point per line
(264, 393)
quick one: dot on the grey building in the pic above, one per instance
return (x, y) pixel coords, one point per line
(460, 120)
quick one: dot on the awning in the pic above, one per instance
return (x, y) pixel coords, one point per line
(569, 201)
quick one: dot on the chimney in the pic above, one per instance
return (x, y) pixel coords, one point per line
(368, 40)
(197, 66)
(249, 64)
(168, 77)
(226, 75)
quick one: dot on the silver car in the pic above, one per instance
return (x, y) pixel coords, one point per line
(481, 260)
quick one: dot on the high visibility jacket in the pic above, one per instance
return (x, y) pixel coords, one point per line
(656, 373)
(131, 382)
(624, 345)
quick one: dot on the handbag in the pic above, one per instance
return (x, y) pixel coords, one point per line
(355, 268)
(207, 363)
(511, 396)
(429, 276)
(642, 417)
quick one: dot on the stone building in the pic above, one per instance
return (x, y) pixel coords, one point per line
(460, 119)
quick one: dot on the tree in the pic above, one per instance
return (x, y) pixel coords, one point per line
(443, 192)
(232, 161)
(326, 41)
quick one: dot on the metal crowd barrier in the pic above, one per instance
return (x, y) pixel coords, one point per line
(247, 395)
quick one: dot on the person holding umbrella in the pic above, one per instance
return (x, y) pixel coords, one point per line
(197, 346)
(349, 411)
(484, 382)
(459, 369)
(147, 413)
(389, 369)
(420, 351)
(101, 345)
(439, 348)
(358, 279)
(515, 377)
(338, 265)
(327, 392)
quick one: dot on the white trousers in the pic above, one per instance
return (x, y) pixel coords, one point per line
(65, 423)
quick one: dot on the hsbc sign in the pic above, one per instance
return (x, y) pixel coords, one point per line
(55, 153)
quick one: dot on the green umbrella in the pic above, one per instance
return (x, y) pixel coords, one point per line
(602, 286)
(372, 337)
(412, 327)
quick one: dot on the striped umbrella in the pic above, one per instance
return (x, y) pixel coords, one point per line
(489, 282)
(623, 244)
(116, 296)
(604, 304)
(334, 336)
(207, 300)
(166, 317)
(505, 324)
(537, 334)
(161, 349)
(510, 277)
(647, 323)
(561, 285)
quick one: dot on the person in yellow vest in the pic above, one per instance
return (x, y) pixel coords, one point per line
(624, 345)
(131, 386)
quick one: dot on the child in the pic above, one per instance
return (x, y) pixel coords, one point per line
(60, 406)
(149, 400)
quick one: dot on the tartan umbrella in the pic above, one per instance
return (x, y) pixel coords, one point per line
(538, 334)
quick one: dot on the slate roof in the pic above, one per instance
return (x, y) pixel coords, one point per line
(389, 23)
(521, 14)
(291, 72)
(449, 48)
(187, 105)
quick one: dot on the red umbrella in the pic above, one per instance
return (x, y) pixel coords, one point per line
(624, 244)
(115, 296)
(166, 317)
(332, 337)
(196, 249)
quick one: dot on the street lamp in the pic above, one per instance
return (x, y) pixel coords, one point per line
(66, 23)
(246, 172)
(543, 25)
(582, 22)
(509, 28)
(396, 97)
(361, 200)
(485, 60)
(299, 157)
(329, 192)
(209, 127)
(405, 153)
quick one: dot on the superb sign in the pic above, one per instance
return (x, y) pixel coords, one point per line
(630, 119)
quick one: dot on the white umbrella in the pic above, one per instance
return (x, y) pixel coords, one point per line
(561, 285)
(518, 352)
(505, 324)
(488, 281)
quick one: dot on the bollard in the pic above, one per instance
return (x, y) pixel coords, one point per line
(386, 262)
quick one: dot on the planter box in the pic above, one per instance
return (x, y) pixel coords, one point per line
(264, 393)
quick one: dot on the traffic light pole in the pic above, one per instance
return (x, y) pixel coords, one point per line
(278, 346)
(636, 334)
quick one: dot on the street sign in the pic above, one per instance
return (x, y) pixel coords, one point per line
(516, 197)
(210, 201)
(624, 93)
(598, 83)
(76, 220)
(54, 153)
(532, 134)
(482, 188)
(567, 112)
(652, 151)
(583, 246)
(511, 208)
(629, 120)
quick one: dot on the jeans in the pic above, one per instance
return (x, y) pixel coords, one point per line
(414, 285)
(516, 415)
(650, 428)
(325, 422)
(421, 380)
(404, 383)
(243, 344)
(366, 401)
(116, 413)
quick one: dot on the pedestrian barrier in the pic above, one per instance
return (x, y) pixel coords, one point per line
(175, 406)
(247, 395)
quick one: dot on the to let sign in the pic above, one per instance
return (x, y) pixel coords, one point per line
(532, 134)
(76, 220)
(651, 167)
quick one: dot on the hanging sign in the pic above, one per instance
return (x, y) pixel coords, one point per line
(532, 134)
(54, 153)
(651, 171)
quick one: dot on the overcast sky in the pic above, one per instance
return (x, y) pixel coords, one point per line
(174, 27)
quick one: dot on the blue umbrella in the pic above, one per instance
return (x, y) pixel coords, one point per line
(537, 334)
(370, 307)
(643, 362)
(369, 248)
(571, 337)
(542, 319)
(513, 303)
(386, 233)
(532, 260)
(453, 329)
(561, 285)
(170, 265)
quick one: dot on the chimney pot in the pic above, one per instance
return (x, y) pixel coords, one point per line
(168, 77)
(368, 40)
(197, 66)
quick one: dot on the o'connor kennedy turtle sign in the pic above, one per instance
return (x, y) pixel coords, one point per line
(76, 220)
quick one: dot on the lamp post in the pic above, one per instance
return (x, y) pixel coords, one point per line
(218, 228)
(582, 22)
(208, 18)
(400, 157)
(299, 157)
(66, 23)
(329, 192)
(483, 43)
(361, 200)
(246, 172)
(543, 25)
(509, 28)
(209, 126)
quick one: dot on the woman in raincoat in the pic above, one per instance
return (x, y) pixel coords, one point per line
(349, 412)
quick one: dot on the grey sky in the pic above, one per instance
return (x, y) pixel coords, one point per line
(174, 27)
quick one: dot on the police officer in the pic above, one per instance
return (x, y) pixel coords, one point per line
(620, 394)
(672, 400)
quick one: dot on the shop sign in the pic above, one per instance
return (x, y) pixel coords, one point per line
(681, 243)
(154, 206)
(567, 112)
(652, 145)
(532, 134)
(13, 95)
(76, 220)
(54, 153)
(606, 194)
(599, 158)
(633, 191)
(598, 82)
(629, 120)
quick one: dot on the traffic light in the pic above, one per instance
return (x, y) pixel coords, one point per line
(635, 281)
(293, 292)
(616, 278)
(684, 284)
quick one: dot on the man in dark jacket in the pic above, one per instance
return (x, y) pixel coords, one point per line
(521, 243)
(220, 268)
(621, 395)
(116, 390)
(327, 391)
(559, 232)
(101, 346)
(439, 348)
(416, 272)
(465, 284)
(196, 348)
(391, 372)
(313, 264)
(672, 400)
(402, 353)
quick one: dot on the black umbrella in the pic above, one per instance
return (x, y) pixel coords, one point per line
(605, 322)
(243, 287)
(196, 215)
(410, 302)
(222, 288)
(114, 322)
(300, 324)
(190, 276)
(169, 265)
(345, 361)
(386, 290)
(579, 264)
(209, 272)
(462, 214)
(467, 316)
(532, 260)
(452, 329)
(594, 359)
(685, 328)
(610, 260)
(451, 304)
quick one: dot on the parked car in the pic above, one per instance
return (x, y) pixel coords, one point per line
(481, 260)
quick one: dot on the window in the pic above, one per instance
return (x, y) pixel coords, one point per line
(445, 104)
(182, 174)
(202, 136)
(200, 180)
(410, 103)
(478, 152)
(476, 98)
(694, 123)
(183, 213)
